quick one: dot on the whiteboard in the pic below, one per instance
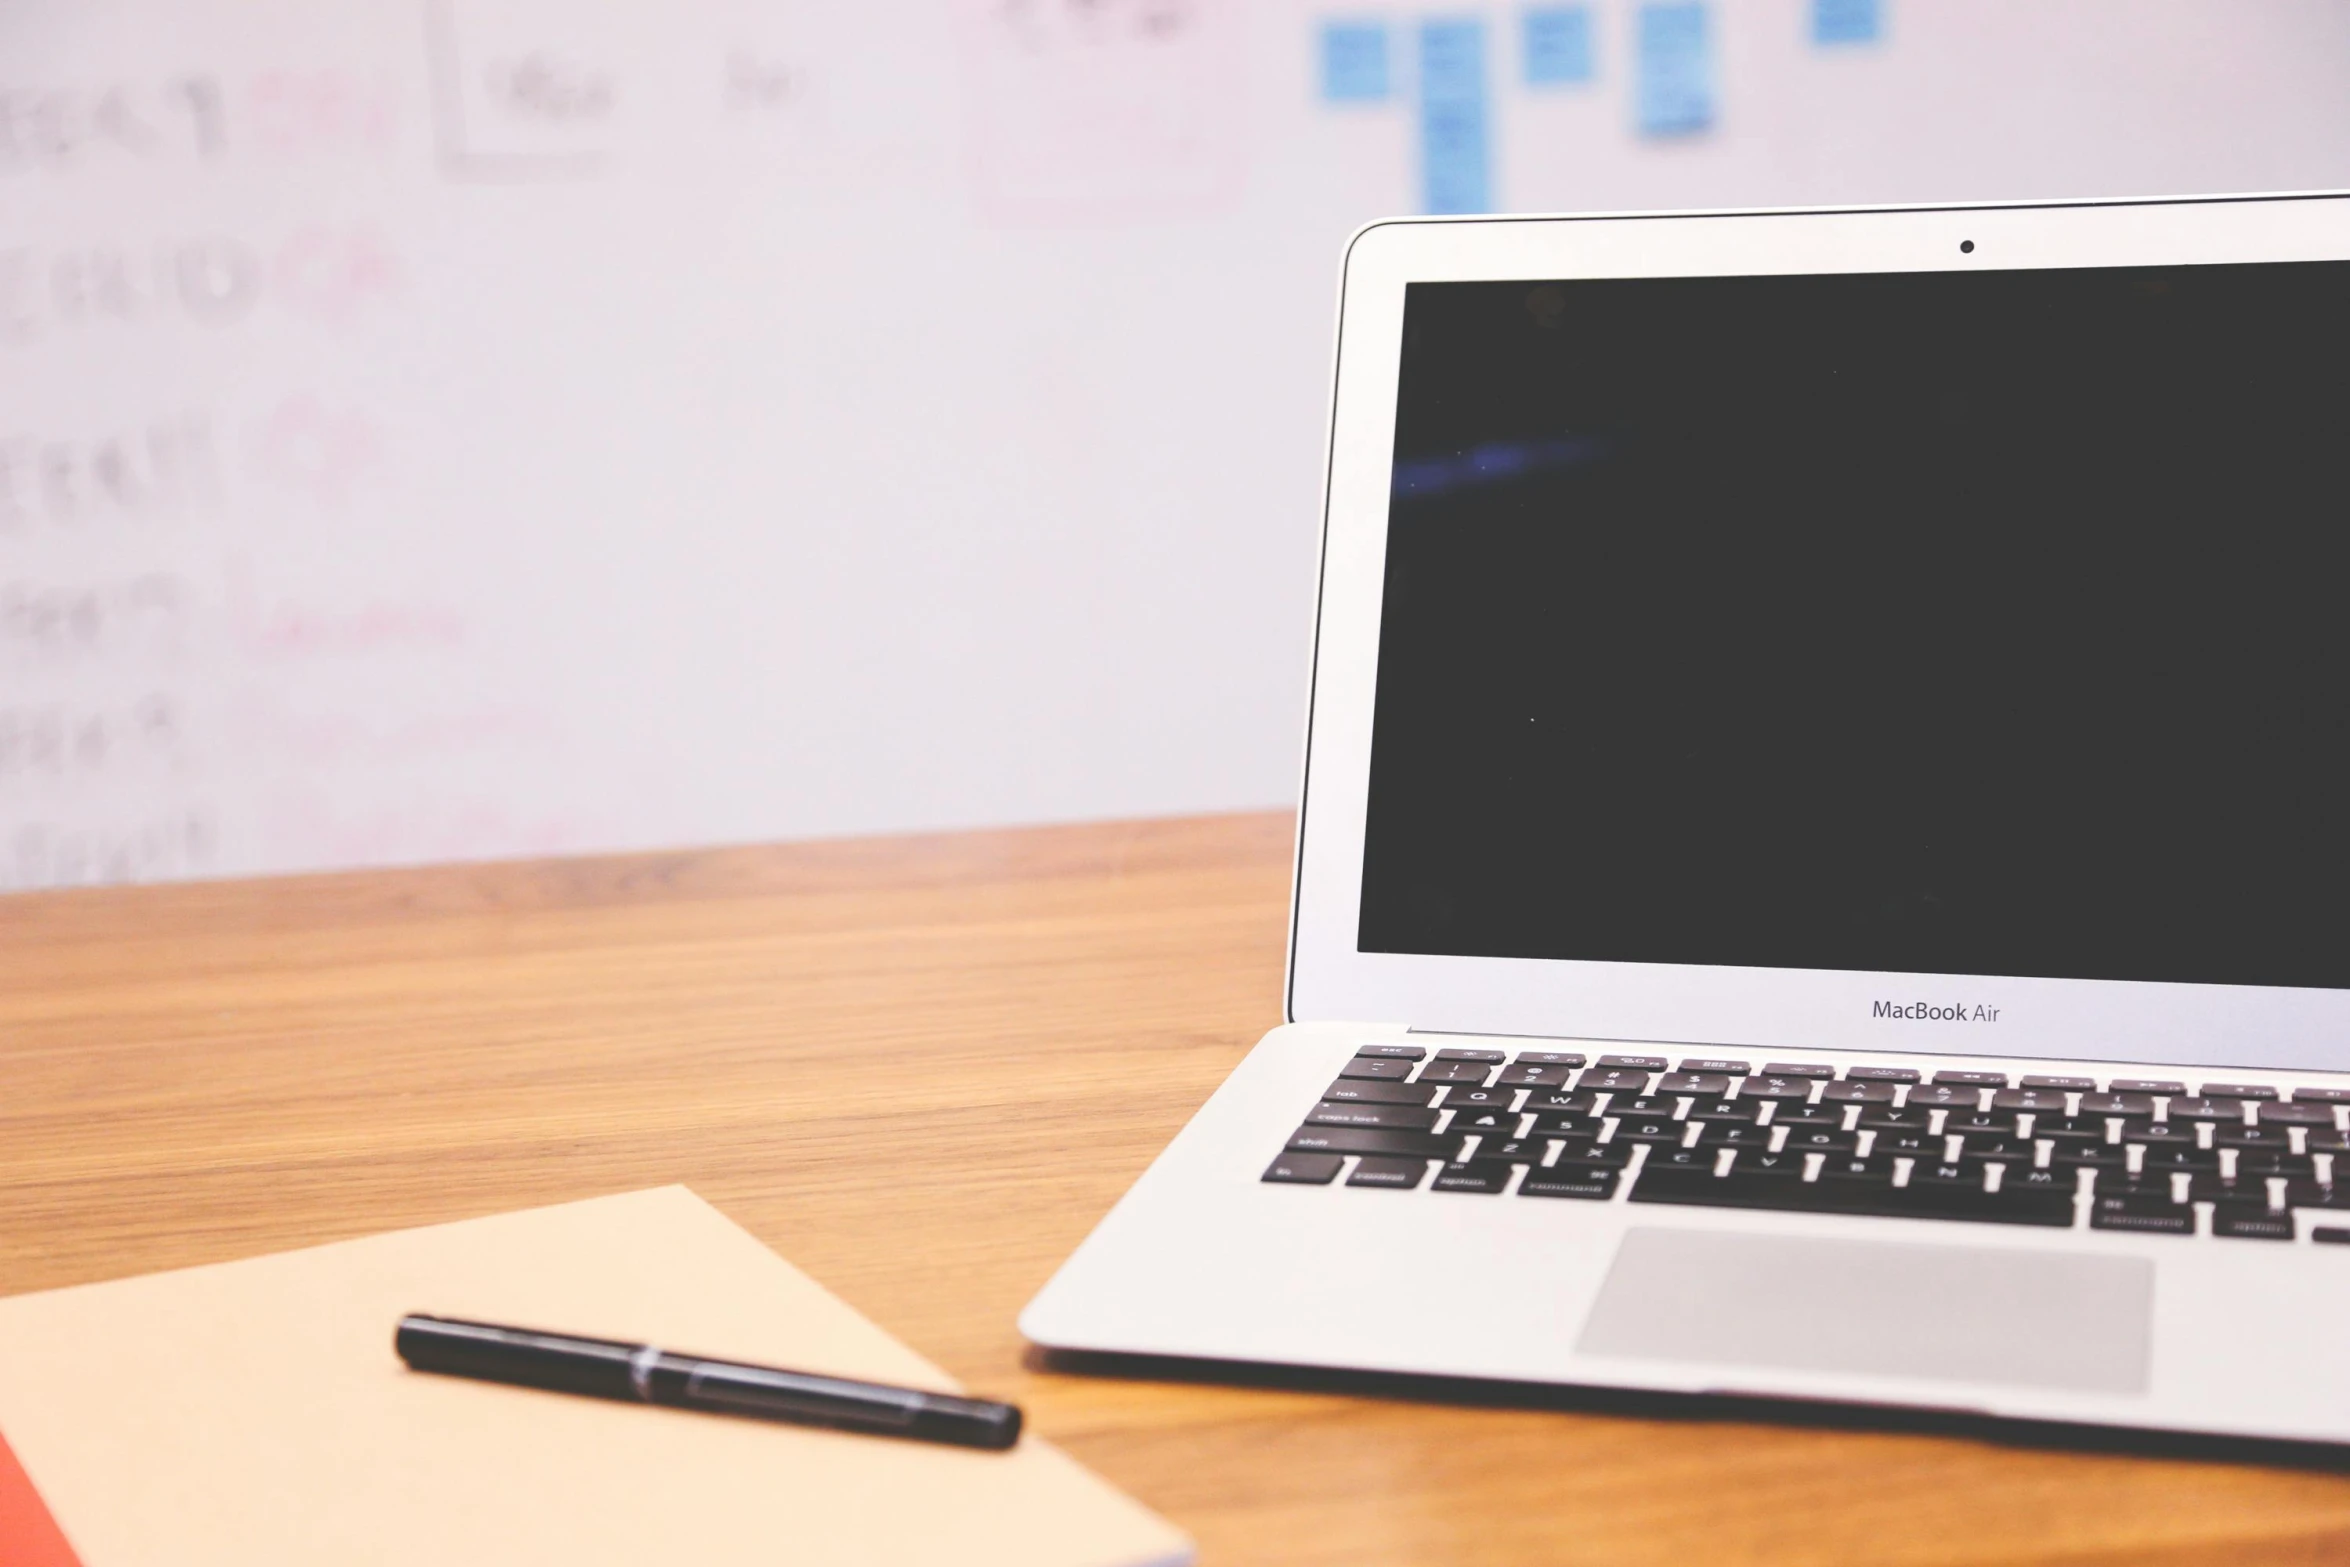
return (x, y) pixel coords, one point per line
(439, 429)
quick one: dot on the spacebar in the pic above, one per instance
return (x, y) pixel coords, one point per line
(1703, 1188)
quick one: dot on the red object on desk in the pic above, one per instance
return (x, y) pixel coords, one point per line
(29, 1537)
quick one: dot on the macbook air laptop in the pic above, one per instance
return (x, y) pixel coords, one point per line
(1824, 868)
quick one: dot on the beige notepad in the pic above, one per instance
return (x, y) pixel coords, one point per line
(254, 1413)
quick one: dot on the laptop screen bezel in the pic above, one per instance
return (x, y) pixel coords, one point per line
(1329, 979)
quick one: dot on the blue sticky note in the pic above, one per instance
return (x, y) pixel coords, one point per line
(1455, 155)
(1354, 62)
(1846, 21)
(1674, 92)
(1558, 45)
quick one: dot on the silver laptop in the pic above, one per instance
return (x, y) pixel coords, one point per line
(1825, 858)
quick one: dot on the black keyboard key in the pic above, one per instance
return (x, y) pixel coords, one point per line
(1371, 1139)
(1304, 1169)
(2312, 1194)
(2226, 1111)
(1349, 1090)
(1818, 1139)
(2076, 1085)
(2276, 1139)
(2148, 1212)
(2251, 1165)
(1524, 1075)
(1485, 1123)
(1392, 1052)
(2251, 1222)
(1681, 1159)
(1592, 1185)
(1825, 1116)
(1880, 1119)
(1709, 1084)
(2024, 1178)
(2160, 1134)
(1907, 1145)
(2328, 1235)
(1733, 1134)
(2238, 1091)
(1658, 1106)
(1373, 1067)
(2144, 1085)
(1881, 1074)
(2214, 1188)
(1743, 1188)
(1486, 1178)
(1970, 1079)
(1553, 1124)
(1853, 1170)
(1738, 1189)
(1399, 1116)
(1849, 1092)
(2051, 1207)
(1470, 1097)
(1991, 1123)
(1748, 1111)
(1945, 1096)
(1709, 1064)
(1650, 1129)
(1634, 1063)
(2088, 1156)
(1990, 1146)
(1487, 1057)
(1398, 1174)
(2117, 1104)
(1945, 1175)
(1546, 1100)
(2321, 1096)
(2297, 1113)
(2180, 1161)
(2071, 1129)
(1793, 1090)
(2328, 1142)
(1509, 1150)
(1568, 1058)
(1612, 1080)
(1456, 1072)
(2037, 1101)
(1592, 1156)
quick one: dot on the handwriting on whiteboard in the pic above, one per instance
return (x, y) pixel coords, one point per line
(147, 615)
(320, 272)
(136, 474)
(197, 118)
(1086, 110)
(55, 743)
(38, 852)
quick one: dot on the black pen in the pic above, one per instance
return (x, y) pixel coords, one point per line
(647, 1374)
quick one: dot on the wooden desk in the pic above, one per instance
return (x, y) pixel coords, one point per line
(920, 1068)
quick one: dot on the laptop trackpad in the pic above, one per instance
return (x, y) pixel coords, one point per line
(2043, 1319)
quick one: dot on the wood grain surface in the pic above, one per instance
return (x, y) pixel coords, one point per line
(921, 1068)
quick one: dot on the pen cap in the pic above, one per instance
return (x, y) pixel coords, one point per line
(599, 1368)
(967, 1422)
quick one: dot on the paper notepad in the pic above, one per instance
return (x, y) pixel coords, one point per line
(254, 1413)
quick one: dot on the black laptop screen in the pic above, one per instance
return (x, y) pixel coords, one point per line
(1983, 623)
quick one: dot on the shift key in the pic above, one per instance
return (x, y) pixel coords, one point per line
(1373, 1140)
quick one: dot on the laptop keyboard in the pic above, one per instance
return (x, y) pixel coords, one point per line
(2140, 1154)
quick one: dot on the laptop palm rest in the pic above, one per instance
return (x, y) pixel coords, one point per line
(2043, 1319)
